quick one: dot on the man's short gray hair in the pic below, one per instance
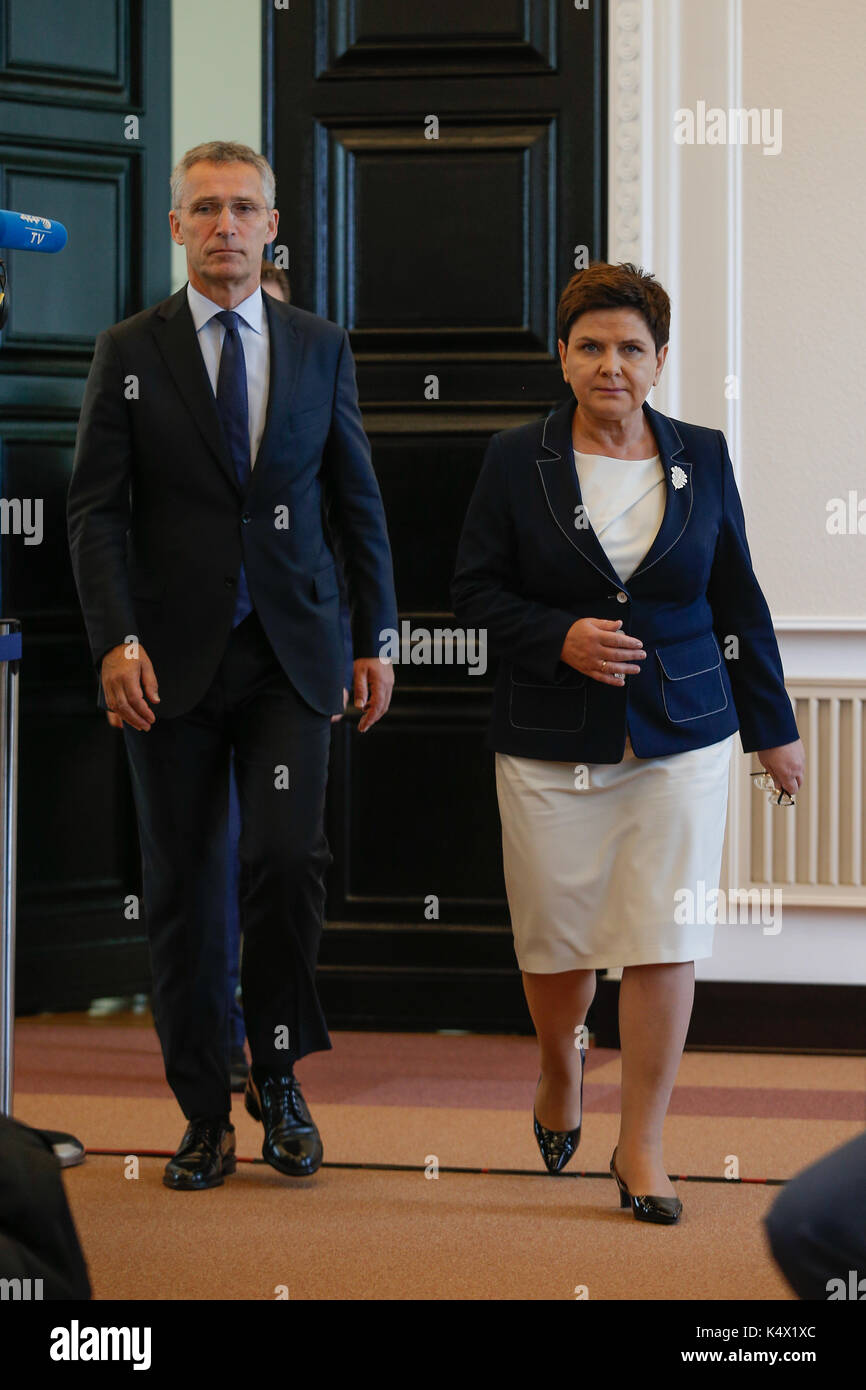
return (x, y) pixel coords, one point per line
(222, 152)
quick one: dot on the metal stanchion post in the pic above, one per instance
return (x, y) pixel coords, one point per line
(10, 653)
(68, 1149)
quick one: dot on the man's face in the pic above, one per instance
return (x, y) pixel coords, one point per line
(611, 362)
(224, 225)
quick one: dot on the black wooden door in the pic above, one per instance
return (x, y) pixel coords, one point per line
(438, 168)
(84, 138)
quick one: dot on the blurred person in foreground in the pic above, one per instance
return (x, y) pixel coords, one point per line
(816, 1227)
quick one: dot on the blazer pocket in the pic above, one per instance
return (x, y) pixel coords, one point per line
(326, 583)
(691, 679)
(548, 706)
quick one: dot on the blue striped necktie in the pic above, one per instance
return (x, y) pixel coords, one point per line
(233, 410)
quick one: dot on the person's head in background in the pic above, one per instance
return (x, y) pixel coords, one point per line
(275, 281)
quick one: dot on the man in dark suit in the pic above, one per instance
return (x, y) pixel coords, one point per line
(275, 282)
(221, 471)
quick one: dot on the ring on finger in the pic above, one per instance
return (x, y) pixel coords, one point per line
(603, 664)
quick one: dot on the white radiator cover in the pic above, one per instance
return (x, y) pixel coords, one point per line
(815, 851)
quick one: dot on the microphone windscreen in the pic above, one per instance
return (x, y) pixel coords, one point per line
(23, 231)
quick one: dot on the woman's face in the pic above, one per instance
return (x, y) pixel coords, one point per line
(611, 362)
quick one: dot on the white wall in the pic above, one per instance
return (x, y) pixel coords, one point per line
(215, 82)
(804, 302)
(762, 255)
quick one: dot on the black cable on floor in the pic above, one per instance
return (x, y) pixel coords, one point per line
(442, 1168)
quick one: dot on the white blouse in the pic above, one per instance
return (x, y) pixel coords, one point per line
(624, 501)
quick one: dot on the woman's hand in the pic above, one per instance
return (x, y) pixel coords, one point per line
(786, 765)
(597, 648)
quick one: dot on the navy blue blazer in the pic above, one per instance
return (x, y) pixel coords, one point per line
(526, 571)
(158, 522)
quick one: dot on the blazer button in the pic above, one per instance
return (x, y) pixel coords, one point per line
(621, 597)
(246, 517)
(230, 583)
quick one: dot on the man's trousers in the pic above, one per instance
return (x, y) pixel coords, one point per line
(180, 780)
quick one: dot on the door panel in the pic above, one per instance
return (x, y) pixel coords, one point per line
(445, 258)
(71, 76)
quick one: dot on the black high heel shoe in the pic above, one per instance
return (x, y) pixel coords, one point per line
(558, 1146)
(663, 1211)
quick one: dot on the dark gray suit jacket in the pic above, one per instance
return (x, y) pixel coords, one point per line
(158, 523)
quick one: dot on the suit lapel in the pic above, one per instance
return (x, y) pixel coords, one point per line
(562, 490)
(678, 481)
(177, 341)
(282, 376)
(176, 336)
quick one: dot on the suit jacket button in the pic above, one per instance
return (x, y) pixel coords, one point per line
(246, 517)
(621, 597)
(230, 583)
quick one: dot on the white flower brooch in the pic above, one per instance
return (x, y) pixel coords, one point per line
(678, 477)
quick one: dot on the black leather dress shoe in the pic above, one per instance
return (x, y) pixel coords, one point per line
(206, 1154)
(292, 1143)
(239, 1068)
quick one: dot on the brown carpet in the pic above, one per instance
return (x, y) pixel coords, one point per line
(356, 1232)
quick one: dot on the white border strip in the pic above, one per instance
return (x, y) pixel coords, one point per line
(795, 624)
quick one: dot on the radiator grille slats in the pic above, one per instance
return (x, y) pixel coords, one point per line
(815, 851)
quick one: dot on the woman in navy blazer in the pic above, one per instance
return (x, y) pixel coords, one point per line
(617, 696)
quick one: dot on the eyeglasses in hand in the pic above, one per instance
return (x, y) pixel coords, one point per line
(778, 797)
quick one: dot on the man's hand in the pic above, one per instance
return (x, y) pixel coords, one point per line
(374, 681)
(592, 641)
(124, 678)
(785, 764)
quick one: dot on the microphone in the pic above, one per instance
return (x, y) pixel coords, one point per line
(22, 231)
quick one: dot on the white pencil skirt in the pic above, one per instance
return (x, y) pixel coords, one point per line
(597, 875)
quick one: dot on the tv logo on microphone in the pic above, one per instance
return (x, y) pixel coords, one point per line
(36, 237)
(27, 231)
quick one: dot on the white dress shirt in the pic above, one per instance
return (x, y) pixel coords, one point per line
(254, 339)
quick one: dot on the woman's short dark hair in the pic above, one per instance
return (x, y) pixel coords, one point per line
(625, 286)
